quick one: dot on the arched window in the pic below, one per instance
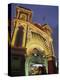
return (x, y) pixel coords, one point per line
(23, 17)
(19, 37)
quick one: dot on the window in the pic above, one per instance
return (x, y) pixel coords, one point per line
(19, 37)
(23, 17)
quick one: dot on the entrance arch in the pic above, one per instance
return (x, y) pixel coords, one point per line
(36, 63)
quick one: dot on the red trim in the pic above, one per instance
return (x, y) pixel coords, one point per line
(51, 67)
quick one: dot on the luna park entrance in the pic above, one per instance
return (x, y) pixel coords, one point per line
(36, 63)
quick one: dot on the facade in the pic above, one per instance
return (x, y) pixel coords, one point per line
(32, 51)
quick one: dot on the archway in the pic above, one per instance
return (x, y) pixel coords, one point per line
(36, 63)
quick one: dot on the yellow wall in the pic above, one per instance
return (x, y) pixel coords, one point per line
(33, 42)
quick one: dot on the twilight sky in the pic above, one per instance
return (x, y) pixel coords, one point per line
(43, 14)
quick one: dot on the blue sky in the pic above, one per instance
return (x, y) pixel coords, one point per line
(43, 14)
